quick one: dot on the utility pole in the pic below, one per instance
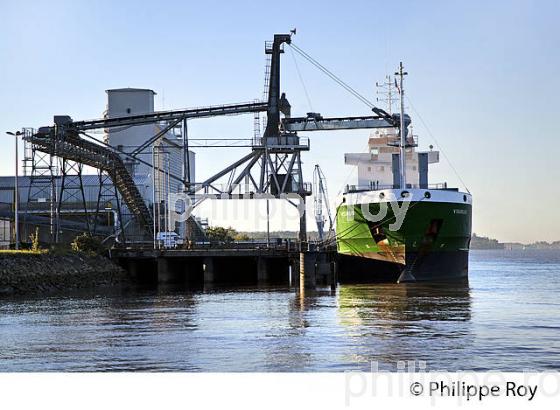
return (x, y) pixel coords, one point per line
(401, 73)
(16, 190)
(154, 195)
(267, 223)
(186, 159)
(183, 226)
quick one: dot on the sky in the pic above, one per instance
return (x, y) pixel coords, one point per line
(483, 77)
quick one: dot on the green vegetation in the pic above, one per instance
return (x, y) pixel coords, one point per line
(87, 244)
(221, 234)
(534, 245)
(225, 235)
(22, 252)
(84, 243)
(239, 236)
(483, 242)
(35, 246)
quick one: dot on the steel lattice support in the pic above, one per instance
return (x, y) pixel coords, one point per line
(57, 141)
(108, 202)
(72, 191)
(42, 191)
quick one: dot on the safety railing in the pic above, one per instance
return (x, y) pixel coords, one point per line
(374, 186)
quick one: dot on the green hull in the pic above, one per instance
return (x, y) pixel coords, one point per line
(431, 243)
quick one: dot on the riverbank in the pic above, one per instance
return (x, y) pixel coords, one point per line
(28, 272)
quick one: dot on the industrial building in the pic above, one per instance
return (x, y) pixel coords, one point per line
(168, 150)
(62, 198)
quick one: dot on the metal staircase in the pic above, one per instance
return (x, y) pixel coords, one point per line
(72, 147)
(195, 230)
(268, 46)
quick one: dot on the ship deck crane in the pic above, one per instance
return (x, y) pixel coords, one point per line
(321, 200)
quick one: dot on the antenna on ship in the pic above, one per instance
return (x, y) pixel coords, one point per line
(402, 129)
(386, 90)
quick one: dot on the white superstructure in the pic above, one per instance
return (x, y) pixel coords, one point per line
(375, 168)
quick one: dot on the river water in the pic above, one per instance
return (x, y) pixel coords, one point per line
(506, 319)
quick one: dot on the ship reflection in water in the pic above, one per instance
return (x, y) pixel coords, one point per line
(407, 322)
(505, 319)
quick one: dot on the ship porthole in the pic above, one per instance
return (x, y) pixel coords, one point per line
(404, 194)
(381, 195)
(427, 195)
(465, 198)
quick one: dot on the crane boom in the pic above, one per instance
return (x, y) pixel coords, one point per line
(321, 199)
(157, 116)
(316, 122)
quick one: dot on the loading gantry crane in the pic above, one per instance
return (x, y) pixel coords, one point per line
(273, 167)
(65, 140)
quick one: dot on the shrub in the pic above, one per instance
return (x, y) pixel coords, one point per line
(242, 237)
(220, 234)
(87, 243)
(35, 246)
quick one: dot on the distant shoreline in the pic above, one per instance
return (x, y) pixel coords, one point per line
(477, 242)
(483, 242)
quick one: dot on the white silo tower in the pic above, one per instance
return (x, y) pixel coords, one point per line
(122, 102)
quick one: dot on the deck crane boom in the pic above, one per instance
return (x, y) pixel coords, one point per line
(320, 201)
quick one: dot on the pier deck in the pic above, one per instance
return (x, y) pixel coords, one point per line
(231, 265)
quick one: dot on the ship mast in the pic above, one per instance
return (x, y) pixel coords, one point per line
(385, 89)
(402, 171)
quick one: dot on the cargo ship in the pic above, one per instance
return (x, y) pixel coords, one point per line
(393, 225)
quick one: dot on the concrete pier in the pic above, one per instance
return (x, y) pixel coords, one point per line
(262, 270)
(208, 268)
(231, 266)
(308, 270)
(132, 269)
(164, 275)
(334, 274)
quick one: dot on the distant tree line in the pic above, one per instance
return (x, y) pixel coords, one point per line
(483, 242)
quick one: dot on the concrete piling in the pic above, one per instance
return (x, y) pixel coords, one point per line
(334, 275)
(262, 270)
(164, 275)
(308, 270)
(304, 268)
(208, 267)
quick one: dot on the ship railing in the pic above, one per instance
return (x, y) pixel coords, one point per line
(247, 190)
(374, 186)
(284, 141)
(411, 142)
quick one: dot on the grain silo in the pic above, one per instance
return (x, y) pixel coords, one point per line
(122, 102)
